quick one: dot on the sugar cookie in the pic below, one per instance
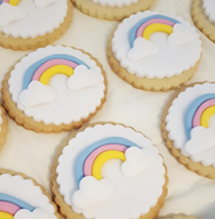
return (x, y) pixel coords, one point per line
(30, 24)
(188, 127)
(23, 198)
(112, 9)
(154, 51)
(203, 13)
(54, 89)
(108, 171)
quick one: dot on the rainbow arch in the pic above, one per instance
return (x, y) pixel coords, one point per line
(10, 205)
(49, 66)
(12, 2)
(199, 112)
(155, 23)
(91, 160)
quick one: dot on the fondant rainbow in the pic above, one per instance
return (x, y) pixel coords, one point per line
(91, 160)
(49, 66)
(155, 23)
(10, 205)
(12, 2)
(199, 112)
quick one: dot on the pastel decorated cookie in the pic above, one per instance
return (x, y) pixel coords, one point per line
(112, 9)
(154, 51)
(23, 198)
(109, 171)
(54, 89)
(203, 13)
(30, 24)
(188, 127)
(180, 216)
(3, 127)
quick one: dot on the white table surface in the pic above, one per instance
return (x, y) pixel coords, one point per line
(32, 153)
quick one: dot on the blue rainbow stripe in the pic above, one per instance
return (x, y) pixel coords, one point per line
(192, 110)
(32, 69)
(133, 31)
(16, 201)
(79, 174)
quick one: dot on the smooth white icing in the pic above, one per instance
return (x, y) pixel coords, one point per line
(100, 190)
(176, 126)
(45, 3)
(115, 3)
(82, 78)
(69, 106)
(202, 141)
(209, 7)
(142, 48)
(41, 93)
(38, 21)
(10, 14)
(182, 35)
(25, 190)
(37, 213)
(169, 61)
(132, 197)
(137, 160)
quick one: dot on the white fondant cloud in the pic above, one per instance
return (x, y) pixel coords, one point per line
(91, 192)
(181, 35)
(10, 14)
(201, 140)
(142, 48)
(36, 94)
(44, 3)
(82, 78)
(137, 160)
(38, 213)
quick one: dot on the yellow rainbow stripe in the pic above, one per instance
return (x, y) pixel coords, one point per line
(104, 157)
(14, 2)
(156, 27)
(4, 215)
(57, 69)
(205, 117)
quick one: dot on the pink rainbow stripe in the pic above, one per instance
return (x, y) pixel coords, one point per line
(8, 207)
(152, 21)
(5, 1)
(50, 64)
(88, 164)
(200, 110)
